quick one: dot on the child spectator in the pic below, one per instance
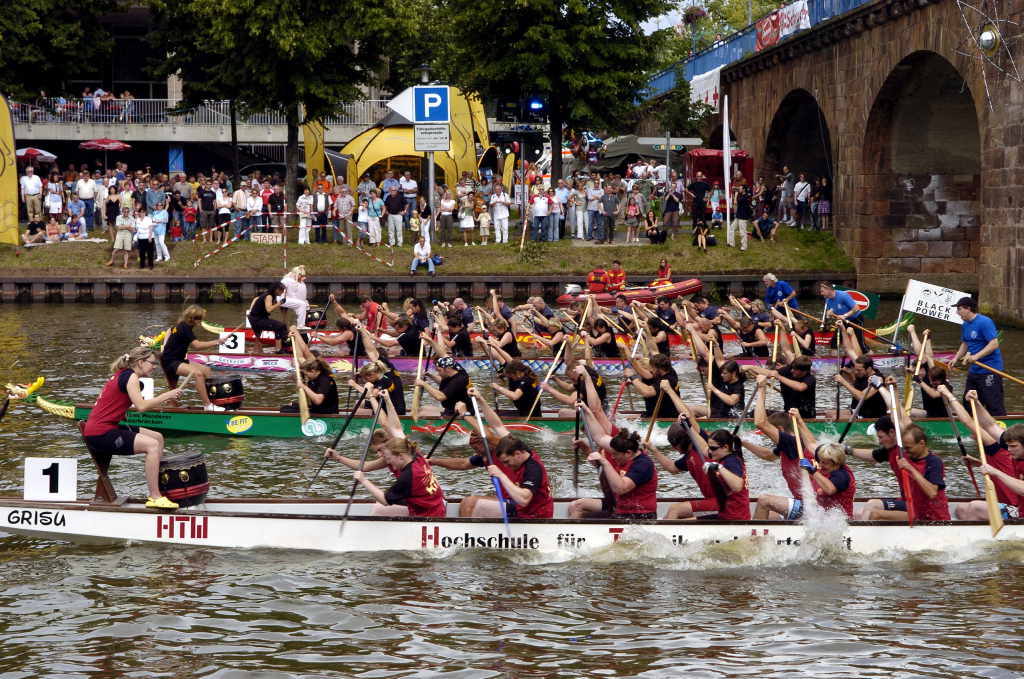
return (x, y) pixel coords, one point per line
(484, 219)
(191, 213)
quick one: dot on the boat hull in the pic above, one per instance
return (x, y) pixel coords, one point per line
(269, 423)
(317, 525)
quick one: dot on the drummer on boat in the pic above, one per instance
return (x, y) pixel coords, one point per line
(260, 309)
(180, 340)
(103, 431)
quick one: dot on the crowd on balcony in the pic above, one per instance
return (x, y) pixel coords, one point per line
(95, 105)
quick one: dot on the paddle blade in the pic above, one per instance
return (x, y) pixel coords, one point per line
(995, 517)
(7, 403)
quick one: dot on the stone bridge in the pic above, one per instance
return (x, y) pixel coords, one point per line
(923, 139)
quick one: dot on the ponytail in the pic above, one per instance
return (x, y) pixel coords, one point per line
(626, 441)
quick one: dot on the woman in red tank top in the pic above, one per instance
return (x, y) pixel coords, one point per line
(106, 435)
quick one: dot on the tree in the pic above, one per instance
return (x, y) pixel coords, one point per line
(273, 56)
(678, 114)
(46, 41)
(721, 18)
(588, 58)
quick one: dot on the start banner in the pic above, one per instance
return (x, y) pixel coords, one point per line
(934, 301)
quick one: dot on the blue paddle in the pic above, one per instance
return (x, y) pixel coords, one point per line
(490, 460)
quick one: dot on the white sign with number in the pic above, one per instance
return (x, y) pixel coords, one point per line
(51, 479)
(934, 301)
(232, 343)
(147, 385)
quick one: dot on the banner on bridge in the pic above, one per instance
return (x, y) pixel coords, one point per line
(781, 23)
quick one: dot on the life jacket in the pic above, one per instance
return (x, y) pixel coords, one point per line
(616, 280)
(842, 499)
(597, 280)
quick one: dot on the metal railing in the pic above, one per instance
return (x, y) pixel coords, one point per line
(743, 43)
(166, 112)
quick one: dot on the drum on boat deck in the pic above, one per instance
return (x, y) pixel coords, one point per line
(227, 392)
(183, 479)
(316, 317)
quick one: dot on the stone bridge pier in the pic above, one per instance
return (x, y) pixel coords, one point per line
(922, 139)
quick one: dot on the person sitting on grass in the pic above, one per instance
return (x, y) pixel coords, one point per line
(765, 228)
(700, 235)
(36, 233)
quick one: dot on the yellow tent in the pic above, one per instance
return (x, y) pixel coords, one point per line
(8, 179)
(393, 136)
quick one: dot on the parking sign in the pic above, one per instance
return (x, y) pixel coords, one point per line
(430, 104)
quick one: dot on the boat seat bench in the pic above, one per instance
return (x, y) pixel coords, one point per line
(104, 487)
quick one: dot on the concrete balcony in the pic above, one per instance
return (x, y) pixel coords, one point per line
(152, 120)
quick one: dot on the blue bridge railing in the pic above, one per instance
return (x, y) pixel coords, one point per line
(742, 43)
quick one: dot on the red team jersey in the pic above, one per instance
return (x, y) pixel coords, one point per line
(417, 489)
(112, 404)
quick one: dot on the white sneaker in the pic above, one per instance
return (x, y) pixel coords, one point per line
(213, 408)
(304, 327)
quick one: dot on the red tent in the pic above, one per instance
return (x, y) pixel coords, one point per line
(709, 161)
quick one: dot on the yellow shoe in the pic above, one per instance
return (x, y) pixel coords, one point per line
(160, 503)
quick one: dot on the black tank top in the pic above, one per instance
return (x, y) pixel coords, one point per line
(259, 307)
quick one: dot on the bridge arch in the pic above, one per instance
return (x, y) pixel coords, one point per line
(921, 163)
(798, 138)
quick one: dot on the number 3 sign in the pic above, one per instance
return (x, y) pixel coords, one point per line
(232, 343)
(53, 479)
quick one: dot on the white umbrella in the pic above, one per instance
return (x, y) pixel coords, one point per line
(31, 153)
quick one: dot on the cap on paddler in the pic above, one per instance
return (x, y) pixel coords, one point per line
(447, 362)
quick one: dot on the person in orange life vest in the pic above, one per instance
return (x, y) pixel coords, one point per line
(103, 432)
(926, 480)
(664, 275)
(692, 461)
(630, 475)
(523, 477)
(616, 277)
(597, 280)
(1002, 448)
(415, 492)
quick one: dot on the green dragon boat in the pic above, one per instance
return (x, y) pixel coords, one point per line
(265, 422)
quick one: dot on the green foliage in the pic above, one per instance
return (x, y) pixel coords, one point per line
(680, 115)
(724, 17)
(590, 58)
(44, 42)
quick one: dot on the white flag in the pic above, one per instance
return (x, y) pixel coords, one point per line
(934, 301)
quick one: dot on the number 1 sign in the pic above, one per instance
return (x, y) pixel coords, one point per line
(51, 479)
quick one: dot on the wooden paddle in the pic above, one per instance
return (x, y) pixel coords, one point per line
(362, 461)
(904, 478)
(963, 449)
(576, 451)
(799, 439)
(736, 303)
(417, 390)
(554, 362)
(895, 346)
(711, 371)
(654, 414)
(995, 517)
(444, 431)
(341, 432)
(303, 403)
(490, 460)
(996, 371)
(908, 391)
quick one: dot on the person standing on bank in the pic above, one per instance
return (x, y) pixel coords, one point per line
(979, 343)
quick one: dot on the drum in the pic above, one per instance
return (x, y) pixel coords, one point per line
(316, 317)
(226, 392)
(183, 479)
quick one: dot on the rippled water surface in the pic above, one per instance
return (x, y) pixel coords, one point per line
(635, 609)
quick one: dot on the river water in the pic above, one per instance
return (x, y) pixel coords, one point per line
(633, 610)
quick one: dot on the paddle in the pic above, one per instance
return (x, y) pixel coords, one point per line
(654, 414)
(875, 383)
(996, 371)
(841, 362)
(711, 371)
(894, 345)
(799, 438)
(903, 477)
(746, 411)
(547, 377)
(490, 356)
(418, 389)
(444, 431)
(995, 517)
(908, 392)
(355, 365)
(7, 402)
(341, 432)
(303, 403)
(362, 460)
(736, 303)
(963, 450)
(626, 380)
(490, 460)
(576, 454)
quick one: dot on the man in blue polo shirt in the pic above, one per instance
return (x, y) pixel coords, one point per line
(979, 343)
(778, 292)
(840, 305)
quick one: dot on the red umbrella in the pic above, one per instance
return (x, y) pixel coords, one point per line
(104, 145)
(31, 153)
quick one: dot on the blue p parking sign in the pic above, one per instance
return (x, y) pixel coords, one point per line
(430, 104)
